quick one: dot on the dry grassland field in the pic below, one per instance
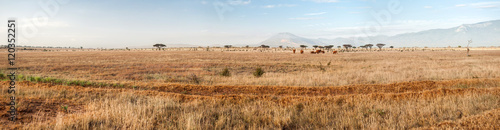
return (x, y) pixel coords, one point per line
(188, 88)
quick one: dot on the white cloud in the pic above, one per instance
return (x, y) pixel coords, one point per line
(305, 18)
(485, 5)
(364, 7)
(325, 1)
(268, 6)
(278, 5)
(239, 2)
(460, 5)
(488, 6)
(320, 13)
(427, 7)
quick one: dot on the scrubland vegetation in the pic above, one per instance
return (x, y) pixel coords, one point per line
(226, 90)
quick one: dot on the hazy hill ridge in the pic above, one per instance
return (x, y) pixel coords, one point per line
(483, 34)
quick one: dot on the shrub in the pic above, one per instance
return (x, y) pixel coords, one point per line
(89, 84)
(194, 79)
(48, 80)
(321, 67)
(58, 81)
(38, 79)
(29, 78)
(258, 72)
(65, 108)
(2, 76)
(225, 72)
(19, 77)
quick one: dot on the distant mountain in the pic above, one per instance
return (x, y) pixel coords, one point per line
(482, 34)
(291, 40)
(167, 45)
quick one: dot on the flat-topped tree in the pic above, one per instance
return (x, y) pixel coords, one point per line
(264, 46)
(363, 47)
(159, 45)
(227, 47)
(380, 45)
(328, 47)
(315, 46)
(347, 46)
(303, 46)
(369, 46)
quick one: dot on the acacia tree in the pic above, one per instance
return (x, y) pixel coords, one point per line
(264, 46)
(315, 46)
(328, 47)
(380, 45)
(369, 46)
(227, 47)
(159, 45)
(363, 47)
(303, 46)
(347, 46)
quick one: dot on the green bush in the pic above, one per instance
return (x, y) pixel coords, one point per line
(58, 81)
(89, 84)
(29, 78)
(20, 77)
(258, 72)
(38, 79)
(47, 80)
(225, 72)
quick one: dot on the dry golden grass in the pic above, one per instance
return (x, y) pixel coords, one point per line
(282, 68)
(360, 90)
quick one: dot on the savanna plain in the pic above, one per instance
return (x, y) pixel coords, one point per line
(254, 89)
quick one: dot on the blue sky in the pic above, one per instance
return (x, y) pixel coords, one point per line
(141, 23)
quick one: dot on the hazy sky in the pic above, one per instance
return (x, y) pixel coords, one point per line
(141, 23)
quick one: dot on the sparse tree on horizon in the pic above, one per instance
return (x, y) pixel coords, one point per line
(347, 46)
(380, 45)
(328, 47)
(369, 46)
(227, 47)
(364, 47)
(303, 46)
(159, 45)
